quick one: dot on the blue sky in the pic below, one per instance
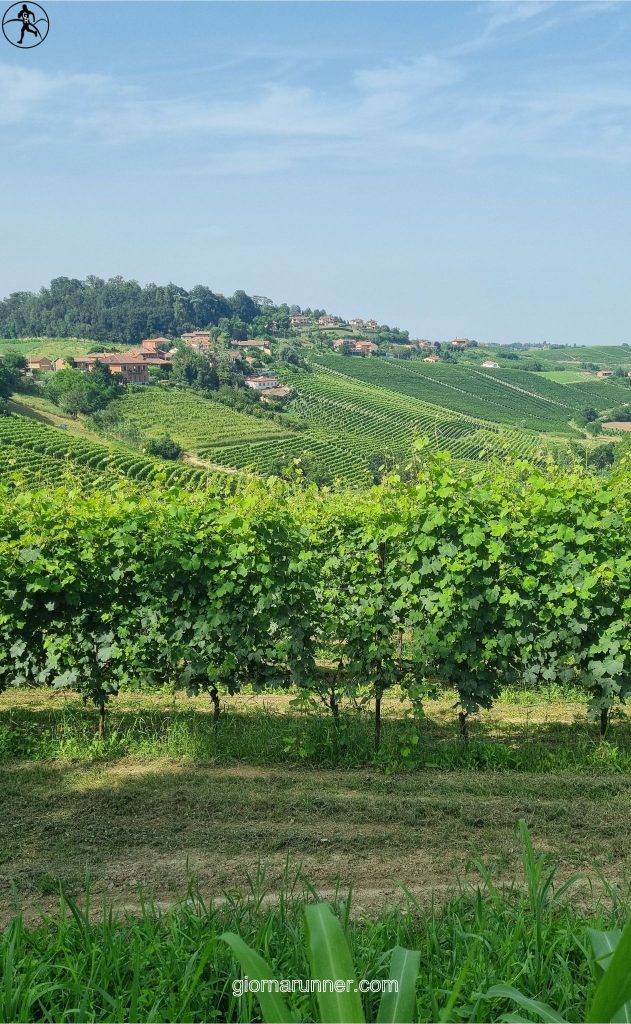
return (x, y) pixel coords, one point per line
(450, 168)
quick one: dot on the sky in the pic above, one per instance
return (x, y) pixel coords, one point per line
(453, 169)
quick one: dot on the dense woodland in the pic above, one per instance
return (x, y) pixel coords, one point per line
(124, 312)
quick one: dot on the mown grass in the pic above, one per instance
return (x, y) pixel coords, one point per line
(159, 965)
(522, 733)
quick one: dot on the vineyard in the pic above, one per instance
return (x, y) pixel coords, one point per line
(370, 417)
(505, 396)
(217, 709)
(474, 580)
(195, 422)
(34, 454)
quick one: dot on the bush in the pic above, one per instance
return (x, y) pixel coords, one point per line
(164, 448)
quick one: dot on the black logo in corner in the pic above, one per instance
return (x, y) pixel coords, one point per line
(25, 25)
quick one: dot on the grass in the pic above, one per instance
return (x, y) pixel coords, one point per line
(167, 792)
(52, 348)
(523, 732)
(86, 962)
(566, 376)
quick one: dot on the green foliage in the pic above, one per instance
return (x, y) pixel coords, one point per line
(477, 579)
(75, 392)
(164, 447)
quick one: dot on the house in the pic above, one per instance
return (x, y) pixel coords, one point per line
(197, 339)
(62, 364)
(424, 345)
(329, 321)
(129, 367)
(431, 359)
(41, 365)
(232, 356)
(262, 383)
(490, 365)
(604, 373)
(253, 343)
(153, 345)
(460, 342)
(355, 345)
(357, 324)
(299, 320)
(371, 325)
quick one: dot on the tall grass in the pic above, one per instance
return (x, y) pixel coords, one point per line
(85, 963)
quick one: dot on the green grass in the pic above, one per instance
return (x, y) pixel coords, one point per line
(85, 962)
(570, 356)
(523, 733)
(53, 348)
(566, 376)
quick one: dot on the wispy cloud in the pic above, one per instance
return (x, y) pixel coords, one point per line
(431, 104)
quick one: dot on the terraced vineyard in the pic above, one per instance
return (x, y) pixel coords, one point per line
(35, 454)
(194, 422)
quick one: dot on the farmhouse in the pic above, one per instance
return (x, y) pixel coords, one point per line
(604, 373)
(329, 321)
(371, 325)
(262, 383)
(154, 345)
(357, 324)
(356, 345)
(299, 320)
(129, 367)
(253, 343)
(41, 365)
(460, 342)
(197, 339)
(431, 359)
(490, 365)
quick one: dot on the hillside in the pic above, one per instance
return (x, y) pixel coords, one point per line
(346, 417)
(33, 454)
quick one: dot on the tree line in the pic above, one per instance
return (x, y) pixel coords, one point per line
(477, 580)
(124, 312)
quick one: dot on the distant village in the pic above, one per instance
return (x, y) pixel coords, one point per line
(134, 366)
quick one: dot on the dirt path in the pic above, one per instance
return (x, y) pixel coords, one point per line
(137, 825)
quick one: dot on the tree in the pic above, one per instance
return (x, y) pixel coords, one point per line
(195, 370)
(164, 447)
(587, 415)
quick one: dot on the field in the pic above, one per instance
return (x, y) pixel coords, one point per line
(348, 413)
(571, 356)
(182, 830)
(372, 417)
(566, 376)
(197, 423)
(52, 348)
